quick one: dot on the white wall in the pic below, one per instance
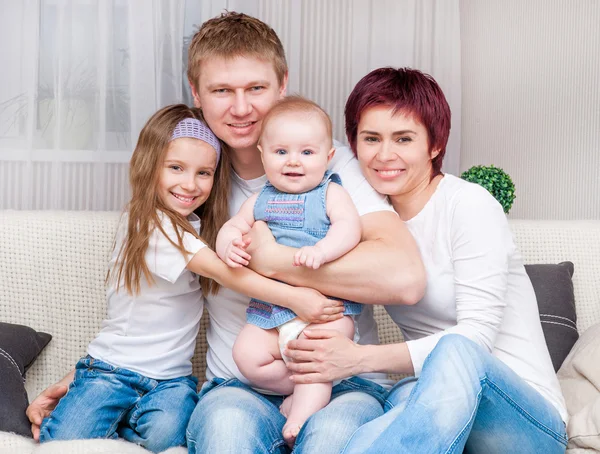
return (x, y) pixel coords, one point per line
(531, 101)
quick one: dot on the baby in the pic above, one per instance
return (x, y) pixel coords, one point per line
(305, 207)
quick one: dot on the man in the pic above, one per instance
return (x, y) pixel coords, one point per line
(237, 71)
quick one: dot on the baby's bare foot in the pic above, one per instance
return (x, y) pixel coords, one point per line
(290, 432)
(286, 406)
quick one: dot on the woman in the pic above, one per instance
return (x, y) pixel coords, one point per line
(483, 379)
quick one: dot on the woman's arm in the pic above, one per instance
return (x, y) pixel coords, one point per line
(481, 245)
(327, 355)
(308, 304)
(385, 267)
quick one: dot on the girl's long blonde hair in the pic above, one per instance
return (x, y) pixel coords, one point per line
(145, 204)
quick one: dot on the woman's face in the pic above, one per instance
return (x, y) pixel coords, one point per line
(393, 151)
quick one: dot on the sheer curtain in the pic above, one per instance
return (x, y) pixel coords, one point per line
(80, 78)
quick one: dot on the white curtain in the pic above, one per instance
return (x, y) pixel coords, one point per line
(80, 77)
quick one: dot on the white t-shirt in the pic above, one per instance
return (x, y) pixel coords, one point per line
(476, 286)
(154, 333)
(227, 308)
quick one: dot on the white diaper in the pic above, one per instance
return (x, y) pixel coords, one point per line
(290, 331)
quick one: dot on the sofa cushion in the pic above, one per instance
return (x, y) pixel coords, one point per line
(579, 379)
(19, 347)
(553, 288)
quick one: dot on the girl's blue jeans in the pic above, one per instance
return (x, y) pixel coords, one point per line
(232, 418)
(109, 402)
(465, 400)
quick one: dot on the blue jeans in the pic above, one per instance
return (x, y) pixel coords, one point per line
(233, 418)
(106, 402)
(465, 400)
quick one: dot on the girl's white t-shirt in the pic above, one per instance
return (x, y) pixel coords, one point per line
(477, 286)
(154, 333)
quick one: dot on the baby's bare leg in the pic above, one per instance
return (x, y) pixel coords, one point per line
(310, 398)
(257, 356)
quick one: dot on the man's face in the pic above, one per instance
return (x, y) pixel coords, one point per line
(235, 94)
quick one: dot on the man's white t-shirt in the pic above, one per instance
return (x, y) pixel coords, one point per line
(477, 286)
(227, 308)
(154, 332)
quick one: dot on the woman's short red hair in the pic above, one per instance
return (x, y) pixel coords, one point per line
(407, 91)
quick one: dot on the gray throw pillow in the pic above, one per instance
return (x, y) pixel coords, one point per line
(553, 288)
(19, 347)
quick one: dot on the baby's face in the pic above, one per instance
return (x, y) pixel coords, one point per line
(295, 149)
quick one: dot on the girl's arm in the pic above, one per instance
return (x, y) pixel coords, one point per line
(310, 305)
(343, 235)
(229, 245)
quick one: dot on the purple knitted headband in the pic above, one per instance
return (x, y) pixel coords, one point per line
(191, 127)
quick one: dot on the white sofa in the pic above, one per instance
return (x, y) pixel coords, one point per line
(53, 265)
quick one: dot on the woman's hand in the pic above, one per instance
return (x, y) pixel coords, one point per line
(326, 355)
(312, 307)
(42, 406)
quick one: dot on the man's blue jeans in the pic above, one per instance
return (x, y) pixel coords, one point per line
(105, 402)
(233, 418)
(465, 399)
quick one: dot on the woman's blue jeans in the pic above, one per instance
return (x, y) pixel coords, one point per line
(106, 402)
(465, 400)
(232, 418)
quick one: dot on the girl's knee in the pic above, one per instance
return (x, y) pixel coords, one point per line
(74, 430)
(169, 433)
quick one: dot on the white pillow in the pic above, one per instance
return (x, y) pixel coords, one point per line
(579, 378)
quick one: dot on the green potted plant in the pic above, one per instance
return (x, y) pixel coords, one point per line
(496, 181)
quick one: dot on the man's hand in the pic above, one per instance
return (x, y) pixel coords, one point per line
(310, 256)
(235, 253)
(42, 406)
(326, 355)
(312, 307)
(260, 235)
(261, 248)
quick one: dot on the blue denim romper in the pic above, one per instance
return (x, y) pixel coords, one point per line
(295, 220)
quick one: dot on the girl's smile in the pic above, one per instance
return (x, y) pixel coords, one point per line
(187, 175)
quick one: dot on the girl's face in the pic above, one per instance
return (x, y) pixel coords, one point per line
(393, 152)
(187, 174)
(295, 150)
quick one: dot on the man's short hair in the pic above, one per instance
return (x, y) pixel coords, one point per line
(235, 35)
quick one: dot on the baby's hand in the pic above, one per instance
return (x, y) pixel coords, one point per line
(310, 256)
(235, 253)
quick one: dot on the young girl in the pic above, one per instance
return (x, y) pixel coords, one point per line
(305, 207)
(136, 380)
